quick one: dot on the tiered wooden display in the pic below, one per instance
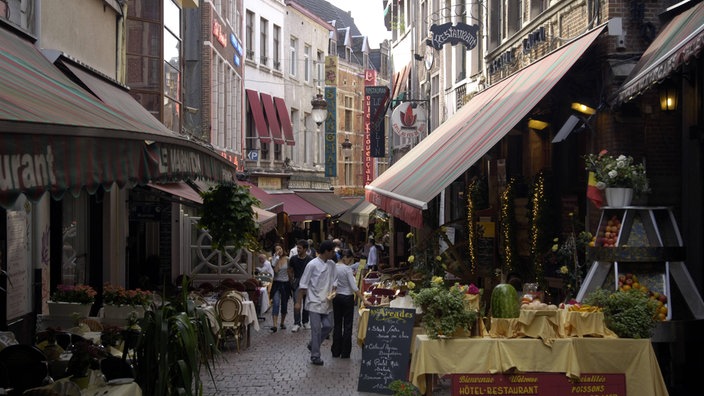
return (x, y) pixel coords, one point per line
(648, 245)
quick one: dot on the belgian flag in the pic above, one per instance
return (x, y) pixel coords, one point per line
(593, 193)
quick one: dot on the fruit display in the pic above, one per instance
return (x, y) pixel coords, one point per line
(504, 301)
(608, 235)
(629, 281)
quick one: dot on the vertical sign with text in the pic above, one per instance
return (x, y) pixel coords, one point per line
(331, 133)
(387, 349)
(375, 100)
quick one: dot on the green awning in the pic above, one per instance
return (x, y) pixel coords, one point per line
(681, 40)
(58, 137)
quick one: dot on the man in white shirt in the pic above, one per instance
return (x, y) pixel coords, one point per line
(265, 266)
(319, 280)
(372, 256)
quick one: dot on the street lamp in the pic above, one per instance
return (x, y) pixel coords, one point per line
(320, 109)
(346, 147)
(319, 114)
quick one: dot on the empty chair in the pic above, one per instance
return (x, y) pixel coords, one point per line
(229, 310)
(25, 367)
(114, 367)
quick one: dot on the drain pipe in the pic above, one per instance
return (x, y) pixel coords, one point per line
(120, 52)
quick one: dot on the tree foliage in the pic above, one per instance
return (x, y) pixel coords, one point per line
(228, 216)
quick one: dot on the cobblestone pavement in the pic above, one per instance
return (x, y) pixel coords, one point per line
(279, 364)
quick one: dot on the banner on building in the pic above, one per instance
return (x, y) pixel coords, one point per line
(331, 71)
(375, 100)
(331, 133)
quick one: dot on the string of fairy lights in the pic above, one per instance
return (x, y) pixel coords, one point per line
(540, 205)
(508, 226)
(471, 229)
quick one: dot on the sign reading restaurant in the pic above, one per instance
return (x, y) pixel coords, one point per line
(460, 33)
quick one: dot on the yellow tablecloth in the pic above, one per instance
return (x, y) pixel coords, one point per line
(571, 356)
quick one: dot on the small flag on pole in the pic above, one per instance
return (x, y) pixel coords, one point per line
(593, 193)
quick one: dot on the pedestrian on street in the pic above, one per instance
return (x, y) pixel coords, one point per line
(343, 306)
(280, 287)
(372, 255)
(296, 265)
(317, 284)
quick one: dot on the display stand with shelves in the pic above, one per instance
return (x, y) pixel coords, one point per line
(641, 247)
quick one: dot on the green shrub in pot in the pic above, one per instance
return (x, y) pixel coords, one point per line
(629, 314)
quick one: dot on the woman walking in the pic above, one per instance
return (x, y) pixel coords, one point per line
(343, 306)
(280, 288)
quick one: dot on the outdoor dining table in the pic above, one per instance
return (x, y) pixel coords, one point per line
(571, 357)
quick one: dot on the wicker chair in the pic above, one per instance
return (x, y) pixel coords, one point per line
(229, 310)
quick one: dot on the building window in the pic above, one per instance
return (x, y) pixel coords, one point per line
(172, 66)
(320, 68)
(349, 113)
(537, 7)
(435, 102)
(294, 59)
(263, 40)
(306, 63)
(494, 23)
(513, 17)
(19, 13)
(277, 47)
(249, 35)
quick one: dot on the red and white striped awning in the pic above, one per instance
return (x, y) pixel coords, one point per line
(405, 189)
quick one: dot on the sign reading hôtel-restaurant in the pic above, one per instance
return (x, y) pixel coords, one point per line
(539, 384)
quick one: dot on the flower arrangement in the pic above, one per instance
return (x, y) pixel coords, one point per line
(83, 294)
(444, 309)
(118, 295)
(617, 171)
(403, 388)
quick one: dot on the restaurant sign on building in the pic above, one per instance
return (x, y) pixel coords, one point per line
(461, 33)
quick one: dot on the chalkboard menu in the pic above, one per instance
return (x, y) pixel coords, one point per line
(387, 349)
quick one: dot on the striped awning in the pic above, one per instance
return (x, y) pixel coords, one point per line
(678, 42)
(58, 137)
(358, 215)
(399, 81)
(327, 201)
(405, 189)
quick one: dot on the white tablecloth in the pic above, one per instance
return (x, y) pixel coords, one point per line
(250, 313)
(263, 300)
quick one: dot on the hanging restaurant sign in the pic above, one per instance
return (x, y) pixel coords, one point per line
(410, 119)
(460, 33)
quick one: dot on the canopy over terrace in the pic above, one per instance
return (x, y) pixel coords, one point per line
(57, 137)
(405, 189)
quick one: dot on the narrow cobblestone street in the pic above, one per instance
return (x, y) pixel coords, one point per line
(279, 364)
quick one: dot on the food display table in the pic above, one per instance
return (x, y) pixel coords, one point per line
(572, 356)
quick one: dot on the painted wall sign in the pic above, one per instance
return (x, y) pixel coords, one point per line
(331, 70)
(408, 120)
(460, 33)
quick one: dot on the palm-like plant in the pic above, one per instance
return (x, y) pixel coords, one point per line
(176, 342)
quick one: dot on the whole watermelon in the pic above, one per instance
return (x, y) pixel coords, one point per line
(504, 301)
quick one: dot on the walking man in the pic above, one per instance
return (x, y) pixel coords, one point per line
(317, 284)
(296, 265)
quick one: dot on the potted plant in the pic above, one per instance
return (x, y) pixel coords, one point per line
(119, 303)
(175, 342)
(629, 314)
(228, 216)
(403, 388)
(70, 300)
(617, 172)
(445, 310)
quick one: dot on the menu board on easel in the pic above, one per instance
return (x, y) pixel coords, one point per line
(387, 349)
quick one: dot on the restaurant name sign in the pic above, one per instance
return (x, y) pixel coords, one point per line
(539, 384)
(459, 33)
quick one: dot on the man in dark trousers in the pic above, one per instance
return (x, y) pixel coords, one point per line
(296, 266)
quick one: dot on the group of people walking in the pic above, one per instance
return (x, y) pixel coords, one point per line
(323, 286)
